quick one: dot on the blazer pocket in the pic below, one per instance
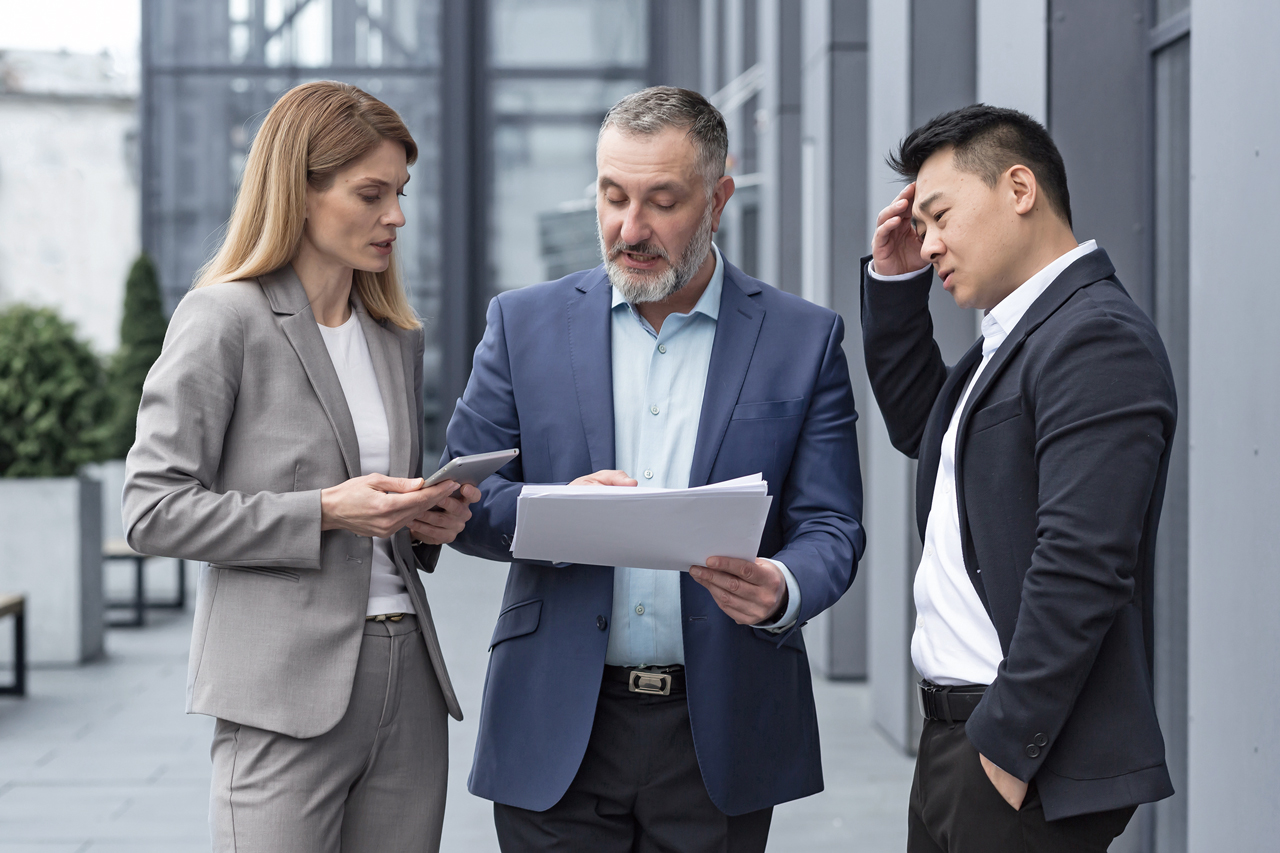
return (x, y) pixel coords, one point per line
(516, 621)
(769, 409)
(997, 413)
(282, 574)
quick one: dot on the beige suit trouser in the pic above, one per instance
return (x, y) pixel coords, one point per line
(375, 782)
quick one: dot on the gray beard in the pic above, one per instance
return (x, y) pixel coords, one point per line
(637, 286)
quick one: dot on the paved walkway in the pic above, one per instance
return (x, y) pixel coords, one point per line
(101, 757)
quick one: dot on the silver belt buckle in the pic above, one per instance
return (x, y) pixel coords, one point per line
(653, 683)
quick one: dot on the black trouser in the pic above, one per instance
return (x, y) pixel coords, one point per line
(955, 808)
(638, 789)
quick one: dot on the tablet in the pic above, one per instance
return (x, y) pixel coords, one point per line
(472, 470)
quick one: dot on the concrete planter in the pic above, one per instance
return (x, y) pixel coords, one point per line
(51, 551)
(111, 475)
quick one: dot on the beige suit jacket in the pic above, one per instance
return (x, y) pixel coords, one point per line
(243, 421)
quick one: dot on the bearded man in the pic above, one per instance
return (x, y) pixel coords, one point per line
(629, 709)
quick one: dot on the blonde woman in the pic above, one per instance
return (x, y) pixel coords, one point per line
(279, 441)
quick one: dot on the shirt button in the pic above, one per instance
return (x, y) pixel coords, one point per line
(928, 551)
(639, 609)
(653, 409)
(662, 348)
(648, 475)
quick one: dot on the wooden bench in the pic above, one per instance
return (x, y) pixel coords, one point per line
(118, 549)
(16, 606)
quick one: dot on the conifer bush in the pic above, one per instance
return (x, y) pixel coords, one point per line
(54, 407)
(142, 329)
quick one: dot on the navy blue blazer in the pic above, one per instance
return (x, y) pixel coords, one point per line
(777, 401)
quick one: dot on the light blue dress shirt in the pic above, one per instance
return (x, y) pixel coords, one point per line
(658, 383)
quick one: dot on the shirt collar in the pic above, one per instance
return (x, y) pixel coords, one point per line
(1000, 320)
(708, 303)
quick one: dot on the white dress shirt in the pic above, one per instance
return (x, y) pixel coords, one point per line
(349, 352)
(658, 384)
(955, 641)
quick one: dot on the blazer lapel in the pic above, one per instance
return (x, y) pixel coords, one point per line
(590, 354)
(384, 351)
(737, 329)
(1094, 266)
(285, 293)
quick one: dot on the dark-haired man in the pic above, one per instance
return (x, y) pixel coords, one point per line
(635, 710)
(1042, 462)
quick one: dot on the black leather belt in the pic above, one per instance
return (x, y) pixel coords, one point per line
(951, 704)
(654, 680)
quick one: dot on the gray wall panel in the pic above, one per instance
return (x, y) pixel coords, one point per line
(886, 474)
(1233, 420)
(1098, 95)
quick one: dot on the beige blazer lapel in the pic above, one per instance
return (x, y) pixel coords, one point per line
(287, 297)
(384, 350)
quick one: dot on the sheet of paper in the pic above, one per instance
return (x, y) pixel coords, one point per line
(646, 528)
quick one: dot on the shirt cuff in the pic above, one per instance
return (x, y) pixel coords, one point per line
(788, 617)
(871, 269)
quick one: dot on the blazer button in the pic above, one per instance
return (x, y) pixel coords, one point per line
(602, 622)
(506, 540)
(1040, 739)
(1033, 751)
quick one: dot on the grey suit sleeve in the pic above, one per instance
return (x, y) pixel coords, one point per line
(171, 507)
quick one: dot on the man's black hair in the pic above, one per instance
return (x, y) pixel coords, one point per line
(987, 142)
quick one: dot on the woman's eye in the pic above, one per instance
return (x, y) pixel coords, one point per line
(370, 198)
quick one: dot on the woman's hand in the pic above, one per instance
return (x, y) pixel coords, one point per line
(442, 524)
(377, 505)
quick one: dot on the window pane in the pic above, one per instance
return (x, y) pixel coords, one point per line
(542, 216)
(530, 96)
(568, 33)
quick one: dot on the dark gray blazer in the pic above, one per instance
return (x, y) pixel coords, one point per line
(243, 421)
(1061, 458)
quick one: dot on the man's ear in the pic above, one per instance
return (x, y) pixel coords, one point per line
(1022, 183)
(719, 198)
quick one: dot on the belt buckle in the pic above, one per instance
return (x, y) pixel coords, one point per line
(935, 694)
(387, 617)
(653, 683)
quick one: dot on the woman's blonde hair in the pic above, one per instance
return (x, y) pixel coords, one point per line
(311, 133)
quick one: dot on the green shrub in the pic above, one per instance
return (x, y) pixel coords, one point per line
(142, 331)
(54, 408)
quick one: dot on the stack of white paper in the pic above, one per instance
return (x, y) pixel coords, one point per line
(645, 528)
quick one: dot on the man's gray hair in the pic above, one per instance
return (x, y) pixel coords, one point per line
(651, 111)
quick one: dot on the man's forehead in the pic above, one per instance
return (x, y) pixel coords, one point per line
(936, 181)
(622, 155)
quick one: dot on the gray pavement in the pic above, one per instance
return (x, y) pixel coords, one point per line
(101, 757)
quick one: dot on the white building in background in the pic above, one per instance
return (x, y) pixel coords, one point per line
(69, 196)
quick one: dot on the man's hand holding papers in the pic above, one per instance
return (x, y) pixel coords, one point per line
(750, 592)
(713, 532)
